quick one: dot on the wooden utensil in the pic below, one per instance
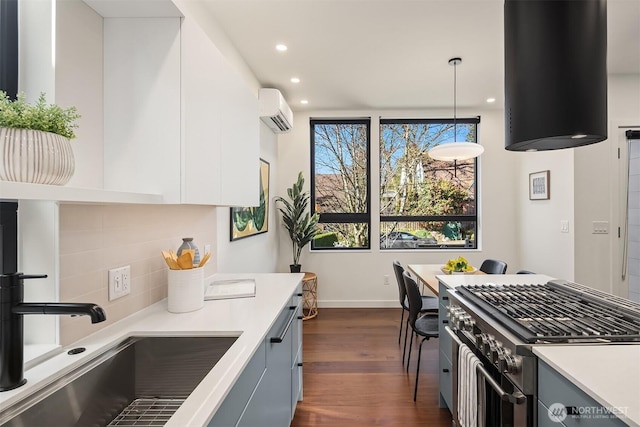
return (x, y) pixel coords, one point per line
(185, 260)
(204, 259)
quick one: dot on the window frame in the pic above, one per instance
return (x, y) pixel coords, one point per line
(344, 218)
(435, 218)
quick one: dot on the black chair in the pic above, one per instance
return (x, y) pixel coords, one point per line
(493, 266)
(524, 272)
(429, 304)
(425, 326)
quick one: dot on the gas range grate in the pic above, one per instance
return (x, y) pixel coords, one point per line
(147, 412)
(558, 312)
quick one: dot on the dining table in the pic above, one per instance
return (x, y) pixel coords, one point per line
(426, 275)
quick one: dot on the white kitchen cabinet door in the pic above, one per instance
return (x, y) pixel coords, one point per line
(220, 126)
(142, 106)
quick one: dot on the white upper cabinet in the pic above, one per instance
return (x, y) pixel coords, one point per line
(167, 119)
(179, 120)
(220, 126)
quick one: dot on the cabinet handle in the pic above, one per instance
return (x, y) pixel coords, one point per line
(445, 370)
(445, 298)
(445, 321)
(300, 364)
(300, 294)
(280, 337)
(300, 318)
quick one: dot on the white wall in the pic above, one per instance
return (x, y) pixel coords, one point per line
(600, 191)
(356, 278)
(543, 247)
(79, 75)
(257, 253)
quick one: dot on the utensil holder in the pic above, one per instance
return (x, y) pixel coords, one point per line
(186, 290)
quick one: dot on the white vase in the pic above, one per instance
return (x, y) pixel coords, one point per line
(35, 156)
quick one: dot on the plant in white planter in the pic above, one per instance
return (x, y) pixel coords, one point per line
(34, 141)
(301, 226)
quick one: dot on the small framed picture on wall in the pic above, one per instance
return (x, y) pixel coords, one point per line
(539, 185)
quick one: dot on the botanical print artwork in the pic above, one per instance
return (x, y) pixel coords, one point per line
(249, 221)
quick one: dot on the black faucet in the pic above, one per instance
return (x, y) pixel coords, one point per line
(12, 310)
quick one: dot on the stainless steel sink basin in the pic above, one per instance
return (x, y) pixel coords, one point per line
(141, 381)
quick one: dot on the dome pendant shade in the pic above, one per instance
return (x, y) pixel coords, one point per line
(454, 151)
(555, 73)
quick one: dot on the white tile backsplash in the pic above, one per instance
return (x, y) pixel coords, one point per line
(94, 239)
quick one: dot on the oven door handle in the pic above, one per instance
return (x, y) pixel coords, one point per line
(516, 398)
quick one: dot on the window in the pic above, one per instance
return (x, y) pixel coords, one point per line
(426, 203)
(340, 170)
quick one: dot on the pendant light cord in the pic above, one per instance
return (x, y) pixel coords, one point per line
(455, 96)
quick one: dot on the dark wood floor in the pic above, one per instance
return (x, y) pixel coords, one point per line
(353, 373)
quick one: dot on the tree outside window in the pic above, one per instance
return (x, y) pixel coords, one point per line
(340, 182)
(433, 201)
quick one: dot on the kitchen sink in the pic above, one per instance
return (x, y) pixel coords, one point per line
(140, 381)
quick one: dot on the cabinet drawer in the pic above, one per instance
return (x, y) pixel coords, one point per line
(442, 294)
(554, 389)
(235, 402)
(445, 374)
(443, 336)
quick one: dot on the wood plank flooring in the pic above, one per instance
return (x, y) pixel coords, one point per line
(353, 373)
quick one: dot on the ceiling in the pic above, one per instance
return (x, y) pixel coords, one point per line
(390, 54)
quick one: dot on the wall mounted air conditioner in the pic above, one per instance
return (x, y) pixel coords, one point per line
(275, 111)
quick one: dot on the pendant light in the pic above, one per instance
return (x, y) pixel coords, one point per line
(453, 151)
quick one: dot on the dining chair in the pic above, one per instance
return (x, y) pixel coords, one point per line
(524, 272)
(425, 326)
(429, 305)
(493, 266)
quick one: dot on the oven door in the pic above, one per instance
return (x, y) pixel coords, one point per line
(499, 401)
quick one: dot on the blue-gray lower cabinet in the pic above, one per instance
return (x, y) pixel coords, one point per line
(562, 403)
(269, 388)
(444, 344)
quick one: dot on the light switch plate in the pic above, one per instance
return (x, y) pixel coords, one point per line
(564, 226)
(119, 282)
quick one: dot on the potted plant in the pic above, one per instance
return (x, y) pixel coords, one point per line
(35, 141)
(301, 226)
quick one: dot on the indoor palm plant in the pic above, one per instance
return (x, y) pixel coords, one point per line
(34, 141)
(302, 226)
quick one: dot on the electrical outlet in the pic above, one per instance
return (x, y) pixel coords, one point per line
(126, 280)
(386, 280)
(600, 227)
(564, 226)
(207, 248)
(119, 282)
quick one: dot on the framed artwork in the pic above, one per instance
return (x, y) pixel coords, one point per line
(539, 185)
(249, 221)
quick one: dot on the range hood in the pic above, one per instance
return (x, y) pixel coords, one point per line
(555, 73)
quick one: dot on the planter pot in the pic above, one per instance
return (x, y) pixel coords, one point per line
(35, 156)
(295, 268)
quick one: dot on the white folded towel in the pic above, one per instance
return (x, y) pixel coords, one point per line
(467, 387)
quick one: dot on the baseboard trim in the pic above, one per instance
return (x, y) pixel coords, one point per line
(358, 304)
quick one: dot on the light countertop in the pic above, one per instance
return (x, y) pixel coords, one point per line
(247, 318)
(610, 374)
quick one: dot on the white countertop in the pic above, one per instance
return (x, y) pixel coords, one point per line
(610, 374)
(248, 318)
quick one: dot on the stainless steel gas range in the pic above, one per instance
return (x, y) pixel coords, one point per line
(500, 323)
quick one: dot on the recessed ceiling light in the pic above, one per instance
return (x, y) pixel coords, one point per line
(304, 101)
(491, 100)
(281, 47)
(295, 80)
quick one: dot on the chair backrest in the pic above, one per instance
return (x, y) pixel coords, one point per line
(414, 298)
(398, 269)
(493, 266)
(524, 272)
